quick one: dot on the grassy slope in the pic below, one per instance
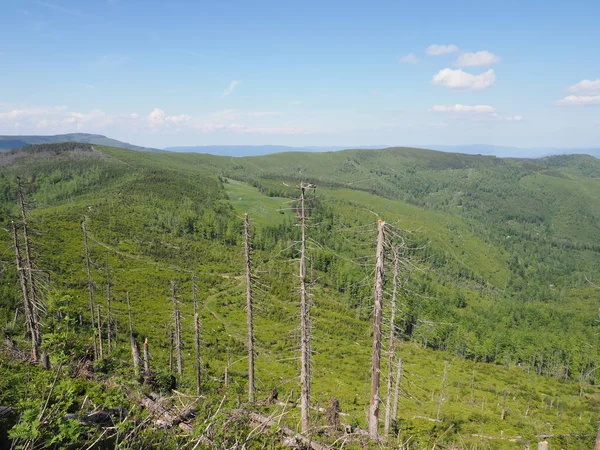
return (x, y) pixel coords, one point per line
(135, 201)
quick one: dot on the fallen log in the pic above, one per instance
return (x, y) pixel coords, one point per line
(164, 417)
(5, 411)
(287, 431)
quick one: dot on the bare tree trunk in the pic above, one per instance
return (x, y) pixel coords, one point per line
(226, 374)
(135, 350)
(443, 391)
(249, 310)
(397, 390)
(392, 345)
(34, 298)
(197, 337)
(90, 283)
(377, 319)
(99, 323)
(171, 349)
(177, 315)
(25, 293)
(597, 443)
(146, 358)
(304, 319)
(108, 320)
(503, 414)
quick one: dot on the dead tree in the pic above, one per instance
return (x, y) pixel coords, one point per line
(397, 390)
(34, 298)
(377, 319)
(304, 317)
(197, 336)
(443, 391)
(26, 300)
(177, 317)
(146, 359)
(135, 350)
(249, 309)
(503, 413)
(90, 283)
(99, 323)
(108, 318)
(597, 442)
(332, 413)
(171, 349)
(392, 345)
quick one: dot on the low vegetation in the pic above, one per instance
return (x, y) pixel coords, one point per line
(497, 306)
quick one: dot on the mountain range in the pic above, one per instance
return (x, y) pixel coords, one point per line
(16, 142)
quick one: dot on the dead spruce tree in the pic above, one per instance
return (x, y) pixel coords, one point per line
(135, 349)
(304, 317)
(377, 319)
(90, 284)
(247, 247)
(108, 317)
(35, 300)
(197, 336)
(392, 344)
(99, 323)
(29, 324)
(177, 318)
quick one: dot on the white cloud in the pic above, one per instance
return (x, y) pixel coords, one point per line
(178, 120)
(580, 100)
(60, 119)
(409, 59)
(30, 112)
(464, 108)
(475, 112)
(231, 87)
(482, 58)
(458, 79)
(156, 117)
(95, 115)
(586, 87)
(436, 50)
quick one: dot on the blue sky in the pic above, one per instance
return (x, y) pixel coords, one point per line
(167, 73)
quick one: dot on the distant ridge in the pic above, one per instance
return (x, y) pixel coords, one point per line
(261, 150)
(514, 152)
(16, 142)
(469, 149)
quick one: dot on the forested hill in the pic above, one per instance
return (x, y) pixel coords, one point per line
(498, 284)
(16, 141)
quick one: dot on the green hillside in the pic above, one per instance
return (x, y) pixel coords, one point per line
(12, 142)
(501, 262)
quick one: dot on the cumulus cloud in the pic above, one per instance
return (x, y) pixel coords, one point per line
(580, 100)
(158, 118)
(60, 119)
(436, 49)
(482, 58)
(409, 59)
(586, 87)
(460, 80)
(178, 120)
(464, 108)
(475, 112)
(231, 87)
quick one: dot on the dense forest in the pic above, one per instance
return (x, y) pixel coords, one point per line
(489, 287)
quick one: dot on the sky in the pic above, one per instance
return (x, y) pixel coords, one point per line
(173, 73)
